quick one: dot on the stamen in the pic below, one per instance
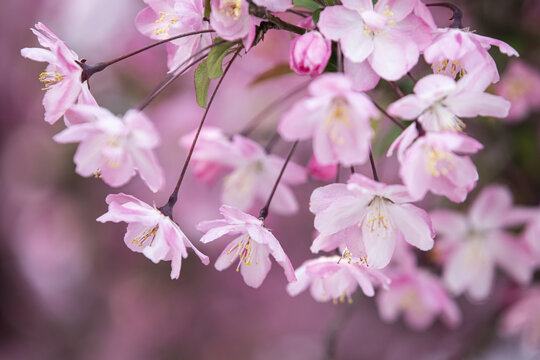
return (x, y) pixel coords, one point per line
(145, 235)
(232, 8)
(50, 78)
(244, 249)
(165, 21)
(338, 114)
(439, 162)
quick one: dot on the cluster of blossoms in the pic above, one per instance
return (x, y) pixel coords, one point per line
(371, 228)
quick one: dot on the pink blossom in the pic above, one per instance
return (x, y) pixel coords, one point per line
(251, 171)
(275, 5)
(521, 85)
(321, 172)
(523, 319)
(458, 51)
(309, 53)
(232, 21)
(429, 163)
(336, 117)
(111, 147)
(438, 101)
(476, 243)
(163, 19)
(388, 36)
(252, 247)
(213, 153)
(368, 218)
(61, 78)
(149, 231)
(336, 278)
(420, 296)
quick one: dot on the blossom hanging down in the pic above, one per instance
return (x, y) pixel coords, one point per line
(252, 247)
(429, 162)
(419, 295)
(473, 245)
(523, 319)
(336, 278)
(150, 232)
(113, 148)
(438, 101)
(251, 171)
(62, 77)
(368, 218)
(384, 40)
(232, 21)
(456, 52)
(163, 19)
(336, 117)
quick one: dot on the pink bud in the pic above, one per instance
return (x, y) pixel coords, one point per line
(321, 172)
(309, 53)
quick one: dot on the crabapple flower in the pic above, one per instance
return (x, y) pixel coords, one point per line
(163, 19)
(61, 78)
(438, 102)
(275, 5)
(521, 85)
(420, 296)
(336, 117)
(113, 148)
(251, 171)
(213, 154)
(150, 232)
(321, 172)
(523, 318)
(368, 218)
(252, 247)
(456, 52)
(232, 21)
(336, 278)
(429, 163)
(476, 243)
(386, 38)
(309, 53)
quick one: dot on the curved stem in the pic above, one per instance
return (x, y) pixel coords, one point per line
(89, 70)
(264, 211)
(167, 208)
(398, 124)
(373, 168)
(457, 17)
(170, 78)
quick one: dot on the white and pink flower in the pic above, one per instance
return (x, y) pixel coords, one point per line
(368, 218)
(163, 19)
(438, 102)
(336, 117)
(252, 247)
(384, 40)
(336, 279)
(476, 243)
(113, 148)
(429, 162)
(62, 77)
(251, 171)
(420, 297)
(232, 21)
(150, 232)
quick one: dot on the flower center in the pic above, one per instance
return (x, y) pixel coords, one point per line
(149, 233)
(447, 67)
(50, 78)
(232, 8)
(165, 21)
(244, 250)
(439, 162)
(337, 118)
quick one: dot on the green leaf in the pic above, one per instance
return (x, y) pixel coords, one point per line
(316, 15)
(202, 82)
(278, 70)
(307, 4)
(214, 62)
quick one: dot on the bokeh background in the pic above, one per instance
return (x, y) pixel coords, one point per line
(70, 289)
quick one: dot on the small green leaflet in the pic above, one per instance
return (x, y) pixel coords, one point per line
(214, 62)
(202, 82)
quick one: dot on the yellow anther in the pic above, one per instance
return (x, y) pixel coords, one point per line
(50, 78)
(338, 115)
(145, 235)
(232, 8)
(439, 162)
